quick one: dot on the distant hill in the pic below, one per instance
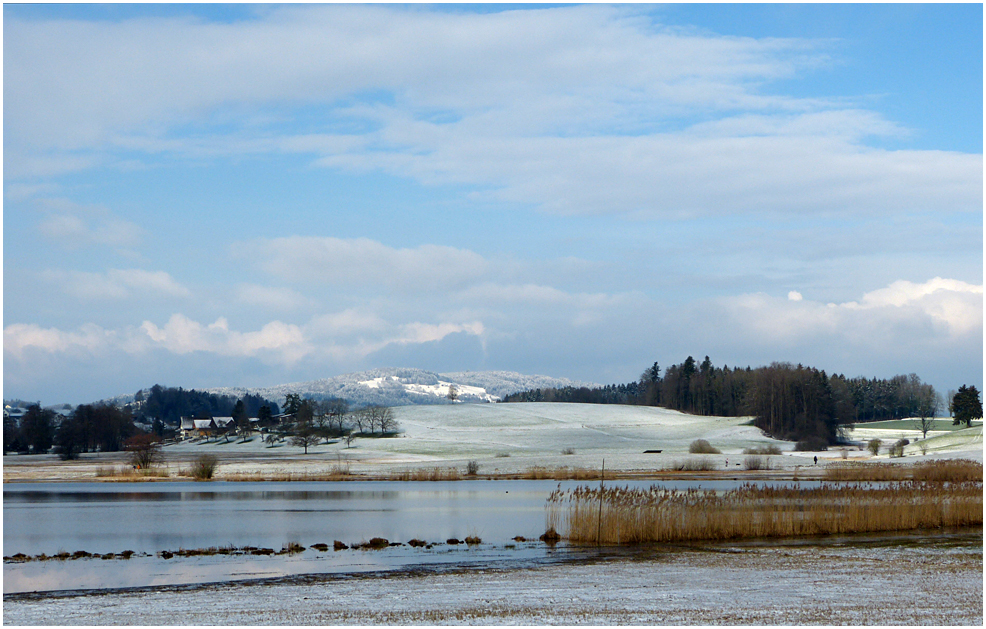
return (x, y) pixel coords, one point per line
(400, 387)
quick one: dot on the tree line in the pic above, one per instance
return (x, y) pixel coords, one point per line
(791, 402)
(170, 404)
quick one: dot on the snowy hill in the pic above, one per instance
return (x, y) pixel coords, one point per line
(405, 387)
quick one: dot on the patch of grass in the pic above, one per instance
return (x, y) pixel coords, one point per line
(701, 446)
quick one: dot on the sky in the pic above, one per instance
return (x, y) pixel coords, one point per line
(250, 195)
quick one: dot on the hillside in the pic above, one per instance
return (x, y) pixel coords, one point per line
(407, 387)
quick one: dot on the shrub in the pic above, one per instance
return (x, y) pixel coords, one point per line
(763, 450)
(756, 462)
(143, 450)
(874, 446)
(897, 450)
(568, 451)
(472, 468)
(703, 464)
(205, 467)
(701, 446)
(811, 444)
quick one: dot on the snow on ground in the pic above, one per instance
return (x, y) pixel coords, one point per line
(513, 438)
(882, 582)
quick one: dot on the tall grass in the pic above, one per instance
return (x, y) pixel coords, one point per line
(538, 472)
(334, 474)
(128, 472)
(433, 474)
(958, 470)
(618, 515)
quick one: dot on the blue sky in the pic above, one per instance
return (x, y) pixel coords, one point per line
(218, 195)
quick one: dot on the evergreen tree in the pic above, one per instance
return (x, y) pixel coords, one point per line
(966, 406)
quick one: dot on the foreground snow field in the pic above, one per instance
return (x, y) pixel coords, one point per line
(903, 580)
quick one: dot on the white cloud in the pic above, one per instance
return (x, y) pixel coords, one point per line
(367, 263)
(426, 333)
(270, 297)
(118, 284)
(882, 320)
(181, 335)
(349, 322)
(567, 108)
(75, 225)
(795, 296)
(19, 337)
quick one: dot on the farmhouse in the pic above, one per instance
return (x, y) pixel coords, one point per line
(205, 427)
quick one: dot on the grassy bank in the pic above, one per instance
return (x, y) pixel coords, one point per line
(619, 515)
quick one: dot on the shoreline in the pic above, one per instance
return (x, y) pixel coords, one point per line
(720, 583)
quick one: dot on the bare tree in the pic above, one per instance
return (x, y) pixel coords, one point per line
(143, 450)
(453, 392)
(388, 423)
(361, 420)
(928, 404)
(305, 432)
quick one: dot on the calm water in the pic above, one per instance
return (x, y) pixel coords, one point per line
(150, 517)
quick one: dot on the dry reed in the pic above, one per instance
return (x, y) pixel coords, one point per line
(538, 472)
(433, 474)
(932, 471)
(128, 472)
(618, 515)
(334, 474)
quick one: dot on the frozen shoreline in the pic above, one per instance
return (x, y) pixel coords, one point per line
(843, 582)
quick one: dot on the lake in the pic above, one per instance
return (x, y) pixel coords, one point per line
(148, 518)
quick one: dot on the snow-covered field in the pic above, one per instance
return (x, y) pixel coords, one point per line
(889, 581)
(512, 439)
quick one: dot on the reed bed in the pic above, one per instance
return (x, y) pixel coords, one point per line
(538, 472)
(433, 474)
(618, 515)
(334, 474)
(958, 470)
(127, 472)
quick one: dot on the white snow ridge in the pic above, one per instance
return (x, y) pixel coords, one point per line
(405, 386)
